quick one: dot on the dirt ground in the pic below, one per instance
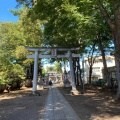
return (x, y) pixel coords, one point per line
(94, 104)
(22, 104)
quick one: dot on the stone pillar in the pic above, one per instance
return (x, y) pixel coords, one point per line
(35, 76)
(71, 71)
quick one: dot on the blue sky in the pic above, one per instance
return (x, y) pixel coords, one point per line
(5, 14)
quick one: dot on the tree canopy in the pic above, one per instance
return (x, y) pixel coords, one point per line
(62, 23)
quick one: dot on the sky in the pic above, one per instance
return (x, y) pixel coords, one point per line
(5, 14)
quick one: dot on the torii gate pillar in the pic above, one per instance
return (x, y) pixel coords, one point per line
(74, 90)
(71, 71)
(35, 75)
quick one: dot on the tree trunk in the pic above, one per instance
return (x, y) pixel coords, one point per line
(117, 47)
(79, 70)
(106, 73)
(90, 74)
(117, 59)
(91, 61)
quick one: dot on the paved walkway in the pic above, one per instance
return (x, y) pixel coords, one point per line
(57, 108)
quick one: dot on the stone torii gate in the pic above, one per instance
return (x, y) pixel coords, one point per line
(53, 51)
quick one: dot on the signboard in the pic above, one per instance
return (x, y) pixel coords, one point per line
(53, 52)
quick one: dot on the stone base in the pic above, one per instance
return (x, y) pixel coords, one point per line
(40, 87)
(35, 93)
(75, 92)
(67, 85)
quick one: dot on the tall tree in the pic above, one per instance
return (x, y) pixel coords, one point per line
(74, 21)
(10, 37)
(102, 49)
(111, 11)
(91, 60)
(13, 38)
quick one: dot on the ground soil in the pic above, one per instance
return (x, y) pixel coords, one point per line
(94, 104)
(22, 104)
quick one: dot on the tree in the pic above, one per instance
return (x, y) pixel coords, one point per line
(13, 38)
(106, 73)
(32, 30)
(57, 67)
(91, 60)
(61, 25)
(75, 21)
(50, 68)
(111, 12)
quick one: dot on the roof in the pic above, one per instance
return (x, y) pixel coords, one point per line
(108, 57)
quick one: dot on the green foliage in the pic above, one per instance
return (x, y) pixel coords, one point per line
(20, 52)
(17, 71)
(50, 68)
(32, 30)
(43, 72)
(13, 38)
(58, 67)
(13, 71)
(66, 23)
(2, 81)
(28, 62)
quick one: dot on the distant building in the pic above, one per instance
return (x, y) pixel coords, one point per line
(98, 67)
(54, 76)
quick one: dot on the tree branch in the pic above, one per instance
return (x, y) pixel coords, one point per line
(105, 14)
